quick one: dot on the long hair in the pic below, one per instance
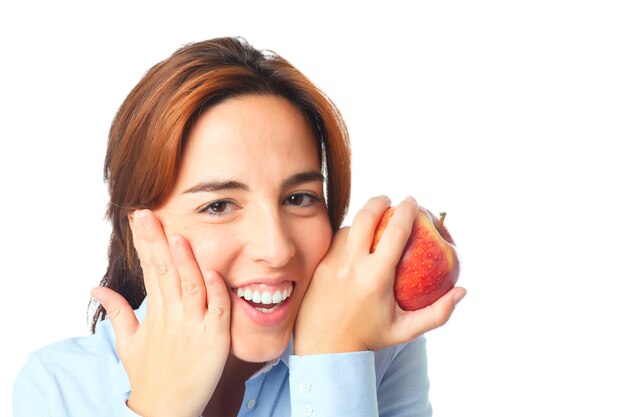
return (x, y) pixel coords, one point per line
(148, 134)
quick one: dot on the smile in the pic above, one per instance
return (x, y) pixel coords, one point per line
(265, 298)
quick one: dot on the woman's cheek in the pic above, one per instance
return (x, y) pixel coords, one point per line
(213, 251)
(318, 246)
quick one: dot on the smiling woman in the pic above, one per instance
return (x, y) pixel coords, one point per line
(230, 288)
(250, 190)
(162, 109)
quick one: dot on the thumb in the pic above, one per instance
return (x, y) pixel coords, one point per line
(418, 322)
(119, 311)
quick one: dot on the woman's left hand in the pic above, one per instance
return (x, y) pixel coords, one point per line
(350, 304)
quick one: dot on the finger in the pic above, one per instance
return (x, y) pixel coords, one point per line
(193, 290)
(120, 313)
(365, 222)
(149, 280)
(415, 323)
(397, 232)
(158, 258)
(218, 301)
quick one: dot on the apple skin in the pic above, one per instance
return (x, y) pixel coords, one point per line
(429, 265)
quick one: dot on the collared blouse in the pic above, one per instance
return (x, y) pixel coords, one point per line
(84, 376)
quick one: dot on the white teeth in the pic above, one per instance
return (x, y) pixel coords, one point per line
(267, 310)
(264, 297)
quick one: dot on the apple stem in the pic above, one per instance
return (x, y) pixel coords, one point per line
(442, 216)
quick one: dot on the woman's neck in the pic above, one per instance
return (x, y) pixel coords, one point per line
(228, 395)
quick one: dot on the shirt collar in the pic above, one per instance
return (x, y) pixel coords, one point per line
(284, 358)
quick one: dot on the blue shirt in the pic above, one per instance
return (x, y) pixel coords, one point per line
(83, 376)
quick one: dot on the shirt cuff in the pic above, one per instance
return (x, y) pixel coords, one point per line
(331, 385)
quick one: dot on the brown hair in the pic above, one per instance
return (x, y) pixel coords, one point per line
(149, 131)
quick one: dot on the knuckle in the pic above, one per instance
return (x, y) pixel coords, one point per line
(396, 231)
(387, 267)
(189, 288)
(366, 215)
(145, 264)
(216, 311)
(114, 312)
(161, 269)
(149, 235)
(378, 200)
(439, 316)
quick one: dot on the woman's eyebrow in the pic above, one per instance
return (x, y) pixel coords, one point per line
(294, 180)
(303, 177)
(216, 186)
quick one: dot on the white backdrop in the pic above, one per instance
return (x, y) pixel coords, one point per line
(507, 115)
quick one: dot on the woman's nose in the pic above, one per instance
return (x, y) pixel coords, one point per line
(269, 241)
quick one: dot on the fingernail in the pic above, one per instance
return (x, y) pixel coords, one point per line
(409, 199)
(95, 294)
(175, 242)
(209, 277)
(142, 217)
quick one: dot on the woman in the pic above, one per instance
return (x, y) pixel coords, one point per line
(229, 176)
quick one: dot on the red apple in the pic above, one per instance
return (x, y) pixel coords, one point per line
(429, 266)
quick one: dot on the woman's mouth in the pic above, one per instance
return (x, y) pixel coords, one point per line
(265, 298)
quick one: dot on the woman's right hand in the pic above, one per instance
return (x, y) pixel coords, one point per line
(175, 357)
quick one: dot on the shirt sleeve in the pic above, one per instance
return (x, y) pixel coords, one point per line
(404, 384)
(34, 391)
(389, 383)
(332, 385)
(39, 393)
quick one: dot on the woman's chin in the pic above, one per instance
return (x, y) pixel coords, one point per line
(261, 349)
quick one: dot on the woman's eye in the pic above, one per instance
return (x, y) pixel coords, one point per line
(301, 199)
(218, 208)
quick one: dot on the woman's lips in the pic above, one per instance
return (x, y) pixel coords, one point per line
(265, 304)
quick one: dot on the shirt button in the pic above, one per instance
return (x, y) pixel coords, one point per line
(307, 410)
(251, 403)
(305, 387)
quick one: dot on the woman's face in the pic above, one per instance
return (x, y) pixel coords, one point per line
(249, 199)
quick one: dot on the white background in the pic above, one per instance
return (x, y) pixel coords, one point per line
(507, 115)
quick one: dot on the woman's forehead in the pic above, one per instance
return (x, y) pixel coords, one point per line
(250, 136)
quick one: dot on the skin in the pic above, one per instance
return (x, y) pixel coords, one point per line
(267, 233)
(370, 319)
(248, 208)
